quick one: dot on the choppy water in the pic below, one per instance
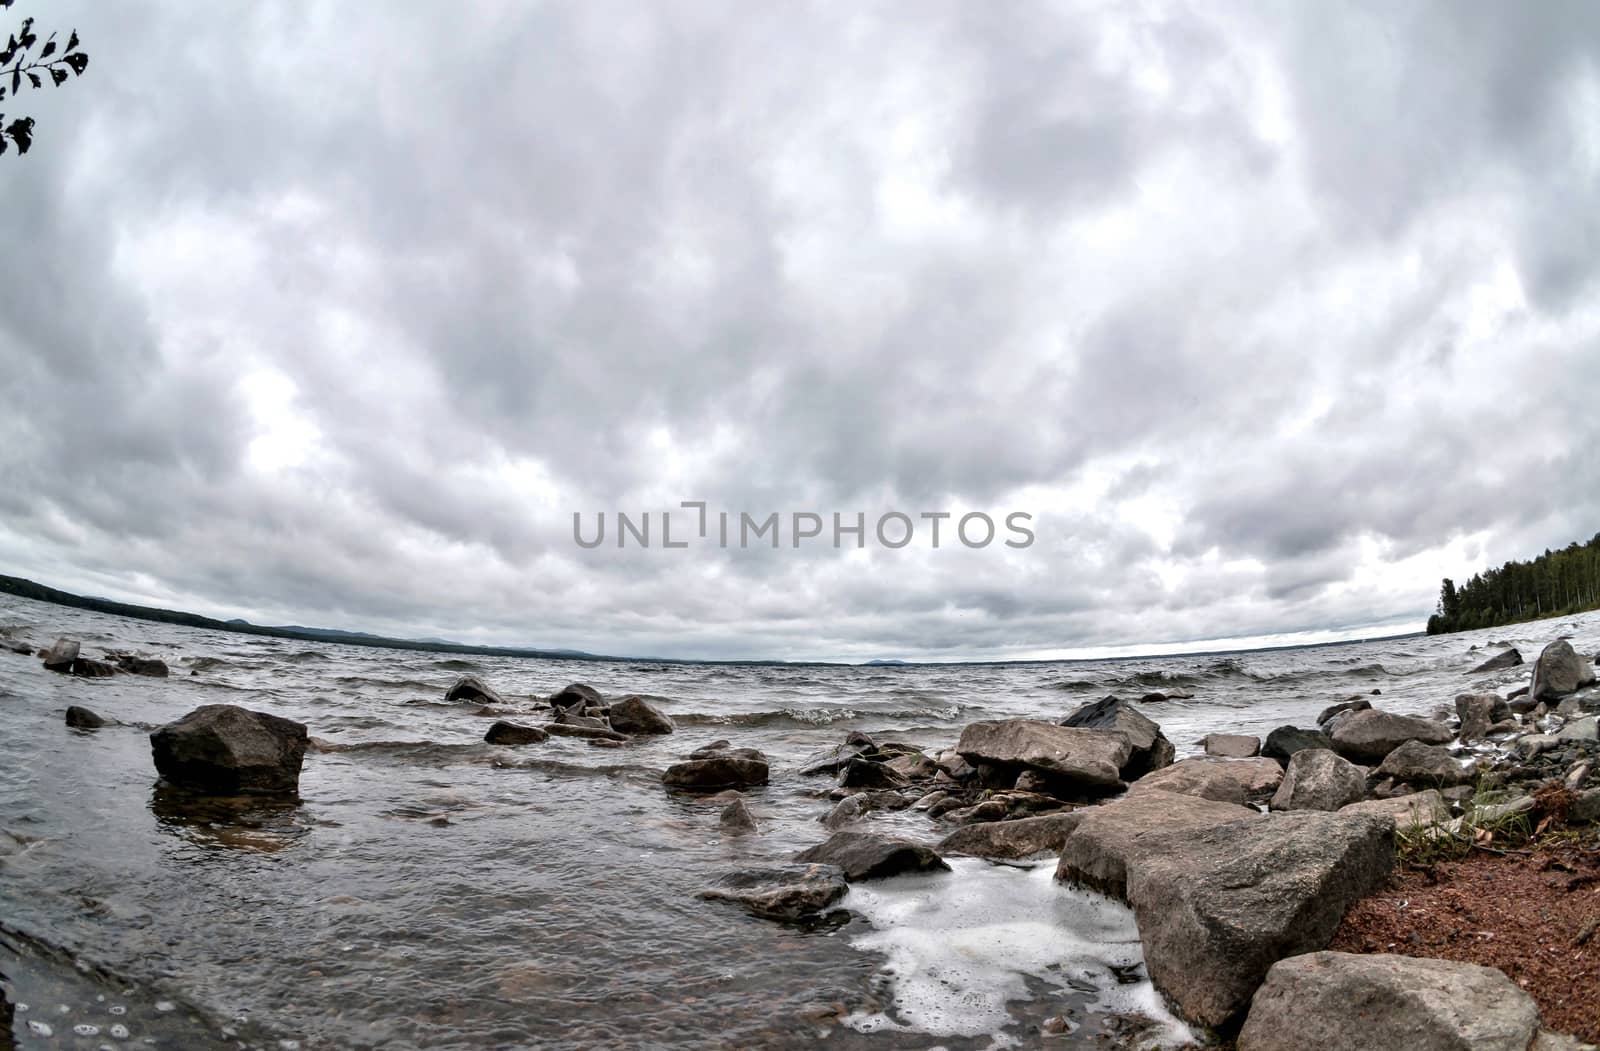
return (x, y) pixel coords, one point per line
(433, 891)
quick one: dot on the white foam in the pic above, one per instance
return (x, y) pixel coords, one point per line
(960, 945)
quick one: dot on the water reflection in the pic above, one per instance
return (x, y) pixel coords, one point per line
(262, 824)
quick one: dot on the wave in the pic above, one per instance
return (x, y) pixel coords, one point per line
(307, 657)
(391, 684)
(815, 716)
(457, 664)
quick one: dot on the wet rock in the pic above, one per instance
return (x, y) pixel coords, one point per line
(584, 729)
(955, 767)
(1335, 999)
(737, 819)
(916, 767)
(852, 809)
(60, 655)
(1317, 779)
(1157, 696)
(988, 810)
(1222, 780)
(1217, 907)
(832, 760)
(1285, 741)
(1479, 711)
(635, 715)
(781, 892)
(719, 768)
(86, 668)
(1354, 704)
(229, 750)
(863, 773)
(83, 719)
(1369, 736)
(1086, 758)
(1416, 763)
(503, 732)
(1151, 749)
(1506, 659)
(1421, 808)
(571, 717)
(1012, 840)
(149, 666)
(469, 689)
(1232, 746)
(870, 855)
(1580, 730)
(1109, 839)
(576, 695)
(1559, 671)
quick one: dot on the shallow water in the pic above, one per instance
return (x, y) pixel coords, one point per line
(433, 891)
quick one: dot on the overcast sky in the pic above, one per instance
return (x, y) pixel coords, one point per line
(1271, 315)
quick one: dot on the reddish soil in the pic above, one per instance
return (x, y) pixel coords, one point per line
(1533, 915)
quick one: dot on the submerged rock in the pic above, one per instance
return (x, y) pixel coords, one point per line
(855, 807)
(635, 715)
(585, 730)
(1370, 735)
(1109, 839)
(503, 732)
(1506, 659)
(225, 749)
(87, 668)
(83, 719)
(60, 655)
(1083, 758)
(863, 773)
(1335, 999)
(150, 666)
(1151, 749)
(1285, 741)
(713, 768)
(871, 855)
(781, 892)
(1217, 907)
(1013, 839)
(1416, 763)
(736, 818)
(473, 690)
(1559, 671)
(1317, 779)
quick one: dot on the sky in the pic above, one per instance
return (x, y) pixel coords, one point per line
(1268, 315)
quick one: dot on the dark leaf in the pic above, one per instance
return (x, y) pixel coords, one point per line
(21, 132)
(72, 41)
(28, 37)
(16, 81)
(2, 144)
(78, 62)
(58, 75)
(33, 78)
(48, 49)
(2, 95)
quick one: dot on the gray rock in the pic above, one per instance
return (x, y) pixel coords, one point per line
(83, 719)
(1110, 839)
(1223, 780)
(1335, 999)
(148, 666)
(1419, 809)
(853, 808)
(585, 729)
(1354, 704)
(60, 655)
(1505, 659)
(781, 892)
(732, 768)
(571, 717)
(1285, 741)
(1416, 763)
(1317, 779)
(576, 695)
(1580, 730)
(1478, 712)
(469, 689)
(1586, 808)
(87, 668)
(1217, 907)
(832, 760)
(1559, 671)
(228, 750)
(1548, 1041)
(1369, 736)
(863, 773)
(1014, 839)
(503, 732)
(736, 818)
(1086, 758)
(870, 855)
(635, 715)
(1232, 746)
(1151, 749)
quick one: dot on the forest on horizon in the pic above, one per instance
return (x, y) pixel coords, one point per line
(1549, 585)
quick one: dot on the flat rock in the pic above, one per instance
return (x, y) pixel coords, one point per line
(1416, 763)
(1014, 839)
(1421, 808)
(60, 655)
(1223, 780)
(1087, 758)
(871, 855)
(585, 729)
(781, 892)
(1217, 907)
(1151, 749)
(469, 689)
(720, 770)
(83, 719)
(1335, 999)
(1317, 779)
(1232, 746)
(1285, 741)
(228, 750)
(1509, 658)
(503, 732)
(1370, 735)
(1559, 671)
(635, 715)
(1108, 839)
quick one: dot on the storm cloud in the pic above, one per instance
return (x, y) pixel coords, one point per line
(1271, 315)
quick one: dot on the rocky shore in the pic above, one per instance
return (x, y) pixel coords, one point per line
(1252, 870)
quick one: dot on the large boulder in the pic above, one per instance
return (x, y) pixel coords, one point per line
(1110, 839)
(1508, 658)
(1478, 712)
(1285, 741)
(1336, 999)
(60, 655)
(1014, 839)
(781, 892)
(1419, 810)
(1151, 749)
(1077, 757)
(1217, 907)
(469, 689)
(503, 732)
(1559, 671)
(635, 715)
(710, 769)
(1431, 765)
(1366, 737)
(870, 855)
(577, 696)
(1317, 779)
(1224, 780)
(228, 750)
